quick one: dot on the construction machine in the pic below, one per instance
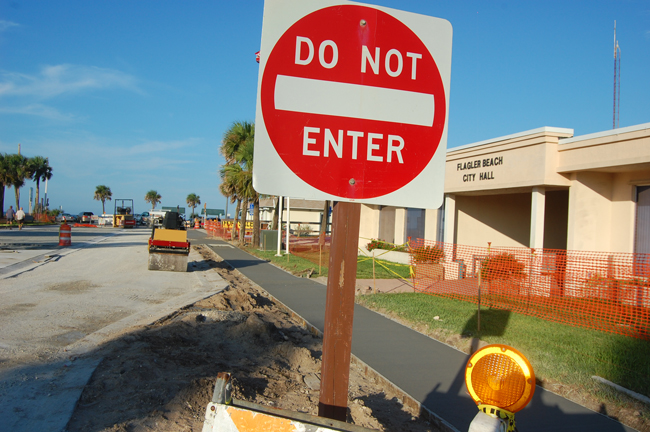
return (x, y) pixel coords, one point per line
(123, 215)
(168, 245)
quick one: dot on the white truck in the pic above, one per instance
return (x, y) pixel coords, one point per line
(153, 217)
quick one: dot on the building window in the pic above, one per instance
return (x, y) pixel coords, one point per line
(415, 223)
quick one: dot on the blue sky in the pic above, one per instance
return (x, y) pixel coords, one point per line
(136, 95)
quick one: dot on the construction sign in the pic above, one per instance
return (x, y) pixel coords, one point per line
(228, 224)
(253, 418)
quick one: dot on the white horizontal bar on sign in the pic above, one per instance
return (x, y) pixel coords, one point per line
(353, 100)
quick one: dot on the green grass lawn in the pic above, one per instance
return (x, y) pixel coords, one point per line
(292, 263)
(561, 353)
(383, 269)
(300, 265)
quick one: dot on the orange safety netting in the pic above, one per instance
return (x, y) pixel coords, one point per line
(216, 229)
(599, 290)
(297, 244)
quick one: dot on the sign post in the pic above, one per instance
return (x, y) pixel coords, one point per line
(339, 311)
(352, 107)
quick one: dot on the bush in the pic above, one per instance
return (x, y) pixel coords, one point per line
(502, 267)
(302, 230)
(380, 244)
(428, 254)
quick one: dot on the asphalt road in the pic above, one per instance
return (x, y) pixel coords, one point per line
(60, 304)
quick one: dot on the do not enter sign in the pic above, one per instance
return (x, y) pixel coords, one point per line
(352, 104)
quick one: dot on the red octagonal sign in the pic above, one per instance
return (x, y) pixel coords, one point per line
(353, 102)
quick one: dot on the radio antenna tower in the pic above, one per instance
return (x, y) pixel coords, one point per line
(617, 80)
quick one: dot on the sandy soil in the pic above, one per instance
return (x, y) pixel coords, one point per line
(162, 377)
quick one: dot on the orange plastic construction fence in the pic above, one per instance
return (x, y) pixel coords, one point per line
(225, 232)
(221, 232)
(599, 290)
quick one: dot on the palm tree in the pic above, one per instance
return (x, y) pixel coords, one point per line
(235, 138)
(153, 198)
(40, 166)
(228, 189)
(102, 193)
(276, 212)
(237, 149)
(231, 186)
(18, 172)
(193, 200)
(4, 181)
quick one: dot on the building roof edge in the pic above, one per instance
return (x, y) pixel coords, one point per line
(618, 131)
(544, 129)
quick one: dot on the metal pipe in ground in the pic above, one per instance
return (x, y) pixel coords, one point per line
(339, 311)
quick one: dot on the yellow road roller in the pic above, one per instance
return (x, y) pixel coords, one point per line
(168, 246)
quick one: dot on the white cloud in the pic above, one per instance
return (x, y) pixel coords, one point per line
(86, 156)
(38, 110)
(151, 147)
(6, 25)
(64, 79)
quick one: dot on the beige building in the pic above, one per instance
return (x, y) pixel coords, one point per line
(304, 215)
(542, 188)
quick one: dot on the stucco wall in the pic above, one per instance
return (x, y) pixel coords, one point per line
(603, 210)
(400, 226)
(521, 161)
(590, 211)
(618, 148)
(503, 220)
(431, 224)
(623, 212)
(387, 224)
(369, 223)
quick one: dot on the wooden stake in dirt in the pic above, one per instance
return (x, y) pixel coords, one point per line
(339, 311)
(478, 312)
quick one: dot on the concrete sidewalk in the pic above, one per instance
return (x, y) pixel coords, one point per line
(429, 371)
(61, 305)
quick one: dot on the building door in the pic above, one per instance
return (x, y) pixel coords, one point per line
(642, 231)
(415, 223)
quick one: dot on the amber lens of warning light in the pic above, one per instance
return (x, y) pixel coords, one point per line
(500, 375)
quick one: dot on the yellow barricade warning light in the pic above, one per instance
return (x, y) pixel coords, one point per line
(500, 376)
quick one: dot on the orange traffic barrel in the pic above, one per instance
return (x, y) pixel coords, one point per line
(197, 224)
(64, 235)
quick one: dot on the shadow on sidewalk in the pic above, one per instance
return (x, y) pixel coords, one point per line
(546, 411)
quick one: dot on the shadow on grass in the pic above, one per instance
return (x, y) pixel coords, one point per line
(489, 322)
(626, 354)
(547, 411)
